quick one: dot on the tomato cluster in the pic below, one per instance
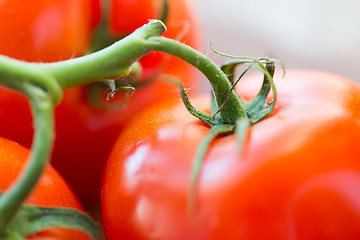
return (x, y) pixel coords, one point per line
(85, 133)
(297, 175)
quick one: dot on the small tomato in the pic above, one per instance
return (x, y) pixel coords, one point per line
(51, 190)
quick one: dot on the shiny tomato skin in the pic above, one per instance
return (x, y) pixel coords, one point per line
(44, 30)
(298, 176)
(85, 134)
(51, 191)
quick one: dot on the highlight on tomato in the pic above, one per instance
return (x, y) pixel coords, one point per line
(51, 190)
(295, 176)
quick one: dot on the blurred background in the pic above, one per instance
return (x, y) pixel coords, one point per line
(311, 34)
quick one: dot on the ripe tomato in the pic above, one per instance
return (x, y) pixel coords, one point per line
(51, 191)
(298, 176)
(85, 134)
(44, 30)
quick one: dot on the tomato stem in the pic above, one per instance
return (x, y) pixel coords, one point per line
(12, 199)
(111, 63)
(234, 109)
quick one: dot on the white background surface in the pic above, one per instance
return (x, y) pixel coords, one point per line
(312, 34)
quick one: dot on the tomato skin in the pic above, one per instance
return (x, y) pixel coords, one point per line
(297, 178)
(51, 191)
(95, 14)
(44, 30)
(126, 16)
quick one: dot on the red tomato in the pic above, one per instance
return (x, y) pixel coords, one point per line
(84, 134)
(44, 30)
(298, 176)
(51, 191)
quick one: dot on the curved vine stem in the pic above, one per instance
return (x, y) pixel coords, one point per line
(12, 199)
(221, 86)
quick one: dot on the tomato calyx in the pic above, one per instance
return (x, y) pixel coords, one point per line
(256, 110)
(32, 219)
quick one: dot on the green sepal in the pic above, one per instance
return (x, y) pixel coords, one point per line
(241, 129)
(197, 164)
(229, 68)
(31, 219)
(257, 108)
(164, 12)
(213, 107)
(207, 119)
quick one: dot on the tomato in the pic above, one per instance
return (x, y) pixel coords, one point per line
(85, 134)
(297, 177)
(44, 30)
(51, 191)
